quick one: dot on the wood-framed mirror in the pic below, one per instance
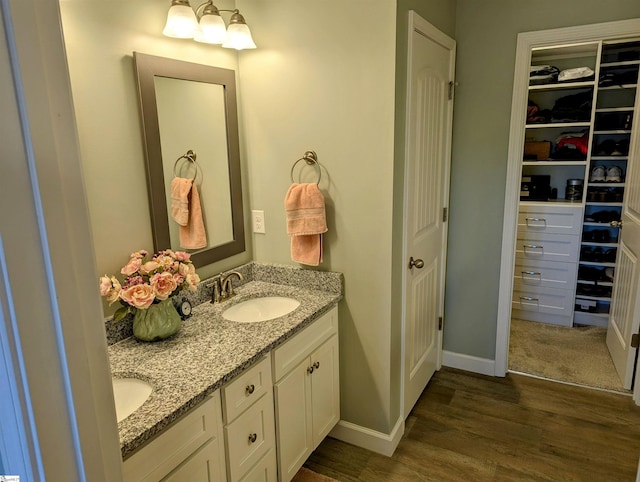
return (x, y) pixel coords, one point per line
(192, 107)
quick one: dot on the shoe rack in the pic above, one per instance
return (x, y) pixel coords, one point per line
(575, 158)
(608, 161)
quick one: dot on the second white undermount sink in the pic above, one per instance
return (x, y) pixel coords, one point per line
(129, 394)
(260, 309)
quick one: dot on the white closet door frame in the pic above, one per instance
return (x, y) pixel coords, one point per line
(526, 42)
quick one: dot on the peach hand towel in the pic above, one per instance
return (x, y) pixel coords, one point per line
(180, 189)
(193, 235)
(306, 222)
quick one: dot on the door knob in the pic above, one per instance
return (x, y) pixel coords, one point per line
(616, 224)
(418, 263)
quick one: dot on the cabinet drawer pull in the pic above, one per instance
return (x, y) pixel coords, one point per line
(531, 246)
(249, 390)
(316, 365)
(310, 370)
(529, 298)
(531, 273)
(253, 437)
(535, 220)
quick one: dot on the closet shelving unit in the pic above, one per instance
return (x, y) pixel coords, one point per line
(612, 124)
(566, 248)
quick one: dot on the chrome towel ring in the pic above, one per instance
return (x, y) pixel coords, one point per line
(311, 159)
(189, 156)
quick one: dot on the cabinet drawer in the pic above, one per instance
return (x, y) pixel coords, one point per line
(543, 300)
(250, 437)
(245, 389)
(169, 449)
(287, 356)
(203, 466)
(547, 247)
(264, 471)
(549, 274)
(550, 219)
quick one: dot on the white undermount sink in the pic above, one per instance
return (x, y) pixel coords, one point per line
(260, 309)
(129, 394)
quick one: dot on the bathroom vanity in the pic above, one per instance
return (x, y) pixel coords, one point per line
(236, 400)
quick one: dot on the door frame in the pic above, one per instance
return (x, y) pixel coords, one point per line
(526, 41)
(420, 25)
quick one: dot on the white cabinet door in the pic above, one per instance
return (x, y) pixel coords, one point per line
(325, 390)
(293, 416)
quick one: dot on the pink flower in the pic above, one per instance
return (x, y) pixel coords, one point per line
(105, 285)
(135, 280)
(148, 267)
(164, 261)
(192, 281)
(139, 296)
(139, 254)
(182, 256)
(179, 279)
(114, 292)
(132, 266)
(163, 285)
(186, 269)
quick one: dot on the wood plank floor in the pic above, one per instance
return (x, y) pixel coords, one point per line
(473, 427)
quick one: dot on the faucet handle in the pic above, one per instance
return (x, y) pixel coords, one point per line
(216, 295)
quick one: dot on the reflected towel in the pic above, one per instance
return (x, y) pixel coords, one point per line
(180, 189)
(193, 235)
(306, 222)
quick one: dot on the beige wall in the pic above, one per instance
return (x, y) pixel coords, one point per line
(323, 80)
(100, 38)
(486, 34)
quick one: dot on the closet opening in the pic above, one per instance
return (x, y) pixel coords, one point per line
(569, 277)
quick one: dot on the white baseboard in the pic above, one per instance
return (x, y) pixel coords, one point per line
(381, 443)
(469, 363)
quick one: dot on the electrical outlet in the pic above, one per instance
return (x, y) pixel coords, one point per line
(258, 221)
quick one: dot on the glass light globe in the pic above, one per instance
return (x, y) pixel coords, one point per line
(239, 37)
(212, 30)
(181, 22)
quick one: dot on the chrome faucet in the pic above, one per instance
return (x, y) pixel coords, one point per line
(223, 287)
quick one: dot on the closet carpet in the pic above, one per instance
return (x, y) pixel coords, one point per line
(576, 355)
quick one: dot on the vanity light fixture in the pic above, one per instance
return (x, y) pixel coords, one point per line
(206, 25)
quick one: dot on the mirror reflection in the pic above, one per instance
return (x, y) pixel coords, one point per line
(203, 132)
(193, 167)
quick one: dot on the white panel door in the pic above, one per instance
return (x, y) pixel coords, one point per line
(625, 303)
(431, 60)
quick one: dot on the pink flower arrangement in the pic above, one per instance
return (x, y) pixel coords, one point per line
(146, 282)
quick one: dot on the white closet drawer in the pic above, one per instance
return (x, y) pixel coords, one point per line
(550, 219)
(246, 389)
(543, 300)
(530, 273)
(547, 247)
(250, 437)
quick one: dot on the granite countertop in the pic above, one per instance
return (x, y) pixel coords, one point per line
(204, 355)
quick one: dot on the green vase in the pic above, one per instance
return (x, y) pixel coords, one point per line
(159, 321)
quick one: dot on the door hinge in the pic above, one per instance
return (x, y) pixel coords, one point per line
(452, 86)
(635, 340)
(445, 214)
(440, 321)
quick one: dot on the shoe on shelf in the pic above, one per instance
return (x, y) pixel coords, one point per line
(614, 174)
(598, 174)
(608, 274)
(606, 147)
